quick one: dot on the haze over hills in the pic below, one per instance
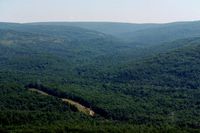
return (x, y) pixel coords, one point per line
(136, 77)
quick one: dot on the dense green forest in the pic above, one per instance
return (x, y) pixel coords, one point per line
(144, 82)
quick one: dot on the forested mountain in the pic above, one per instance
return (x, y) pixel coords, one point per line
(131, 87)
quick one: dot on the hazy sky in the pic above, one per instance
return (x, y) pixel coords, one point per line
(135, 11)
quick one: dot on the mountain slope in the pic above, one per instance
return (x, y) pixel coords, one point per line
(68, 32)
(164, 33)
(179, 68)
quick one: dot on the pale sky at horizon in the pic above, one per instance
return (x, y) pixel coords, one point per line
(132, 11)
